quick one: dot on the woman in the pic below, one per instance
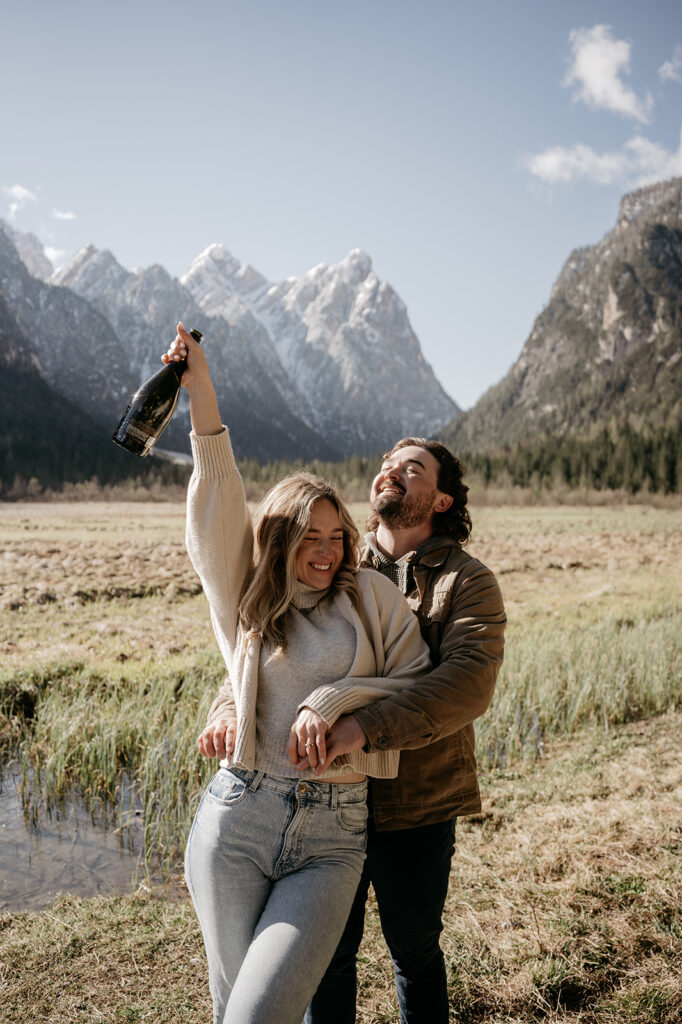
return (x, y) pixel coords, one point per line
(276, 851)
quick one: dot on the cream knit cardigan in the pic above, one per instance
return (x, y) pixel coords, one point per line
(390, 653)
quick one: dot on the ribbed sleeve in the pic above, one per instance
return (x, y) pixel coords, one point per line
(219, 534)
(337, 699)
(213, 456)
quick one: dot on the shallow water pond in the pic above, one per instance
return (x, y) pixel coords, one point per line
(65, 849)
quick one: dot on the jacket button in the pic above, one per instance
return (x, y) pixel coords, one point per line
(382, 741)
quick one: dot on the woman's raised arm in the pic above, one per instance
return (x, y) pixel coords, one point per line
(203, 405)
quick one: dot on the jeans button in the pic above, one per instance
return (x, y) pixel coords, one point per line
(302, 788)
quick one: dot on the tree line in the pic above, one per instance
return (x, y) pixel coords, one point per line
(620, 456)
(625, 455)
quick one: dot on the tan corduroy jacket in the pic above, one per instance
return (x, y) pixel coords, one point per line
(461, 614)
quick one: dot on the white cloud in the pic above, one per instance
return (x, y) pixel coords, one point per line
(638, 162)
(63, 215)
(598, 62)
(652, 161)
(19, 196)
(671, 70)
(563, 164)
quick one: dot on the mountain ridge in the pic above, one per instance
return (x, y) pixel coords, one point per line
(330, 358)
(608, 344)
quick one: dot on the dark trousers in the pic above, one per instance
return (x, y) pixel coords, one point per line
(409, 870)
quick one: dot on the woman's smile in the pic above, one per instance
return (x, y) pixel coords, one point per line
(321, 551)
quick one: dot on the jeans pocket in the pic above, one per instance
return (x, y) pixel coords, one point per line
(226, 789)
(352, 817)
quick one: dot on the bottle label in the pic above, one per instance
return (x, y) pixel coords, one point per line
(141, 432)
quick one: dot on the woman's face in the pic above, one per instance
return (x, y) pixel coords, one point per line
(321, 551)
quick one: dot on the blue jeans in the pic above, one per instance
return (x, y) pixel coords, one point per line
(409, 870)
(272, 866)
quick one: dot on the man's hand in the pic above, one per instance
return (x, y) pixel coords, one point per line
(345, 736)
(217, 739)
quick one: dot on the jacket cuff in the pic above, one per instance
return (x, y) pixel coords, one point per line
(379, 736)
(213, 456)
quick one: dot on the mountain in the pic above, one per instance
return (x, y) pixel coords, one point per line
(608, 345)
(74, 346)
(31, 252)
(344, 339)
(143, 308)
(318, 367)
(322, 366)
(42, 434)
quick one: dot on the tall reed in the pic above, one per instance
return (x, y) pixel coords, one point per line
(129, 741)
(557, 679)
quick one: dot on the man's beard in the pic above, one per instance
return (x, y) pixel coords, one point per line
(400, 513)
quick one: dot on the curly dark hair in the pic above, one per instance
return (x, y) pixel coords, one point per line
(455, 521)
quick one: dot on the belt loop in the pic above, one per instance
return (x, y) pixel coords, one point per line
(335, 796)
(256, 781)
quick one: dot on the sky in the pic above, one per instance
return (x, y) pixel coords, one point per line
(467, 147)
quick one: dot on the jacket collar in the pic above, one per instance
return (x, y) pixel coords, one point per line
(433, 558)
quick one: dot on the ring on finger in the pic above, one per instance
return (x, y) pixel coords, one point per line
(309, 744)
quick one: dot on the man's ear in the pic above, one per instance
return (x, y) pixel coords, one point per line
(443, 502)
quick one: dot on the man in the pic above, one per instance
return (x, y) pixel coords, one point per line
(419, 520)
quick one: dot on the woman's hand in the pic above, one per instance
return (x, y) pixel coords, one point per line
(307, 740)
(217, 739)
(203, 406)
(185, 347)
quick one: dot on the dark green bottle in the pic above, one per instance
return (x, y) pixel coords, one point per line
(151, 407)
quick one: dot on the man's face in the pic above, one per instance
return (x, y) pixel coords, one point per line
(405, 491)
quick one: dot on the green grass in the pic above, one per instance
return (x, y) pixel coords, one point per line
(103, 737)
(558, 678)
(96, 733)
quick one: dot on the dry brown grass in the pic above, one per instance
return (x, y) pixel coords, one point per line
(97, 583)
(566, 893)
(564, 906)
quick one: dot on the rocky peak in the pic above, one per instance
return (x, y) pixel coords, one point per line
(607, 343)
(662, 200)
(91, 270)
(31, 252)
(217, 281)
(325, 363)
(355, 267)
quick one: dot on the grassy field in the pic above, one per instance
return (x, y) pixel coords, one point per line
(566, 892)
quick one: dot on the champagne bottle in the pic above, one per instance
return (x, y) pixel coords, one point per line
(151, 407)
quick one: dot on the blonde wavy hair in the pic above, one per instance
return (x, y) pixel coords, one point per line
(280, 524)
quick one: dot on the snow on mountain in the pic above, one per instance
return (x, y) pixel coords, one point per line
(321, 366)
(344, 338)
(77, 350)
(31, 252)
(253, 389)
(224, 288)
